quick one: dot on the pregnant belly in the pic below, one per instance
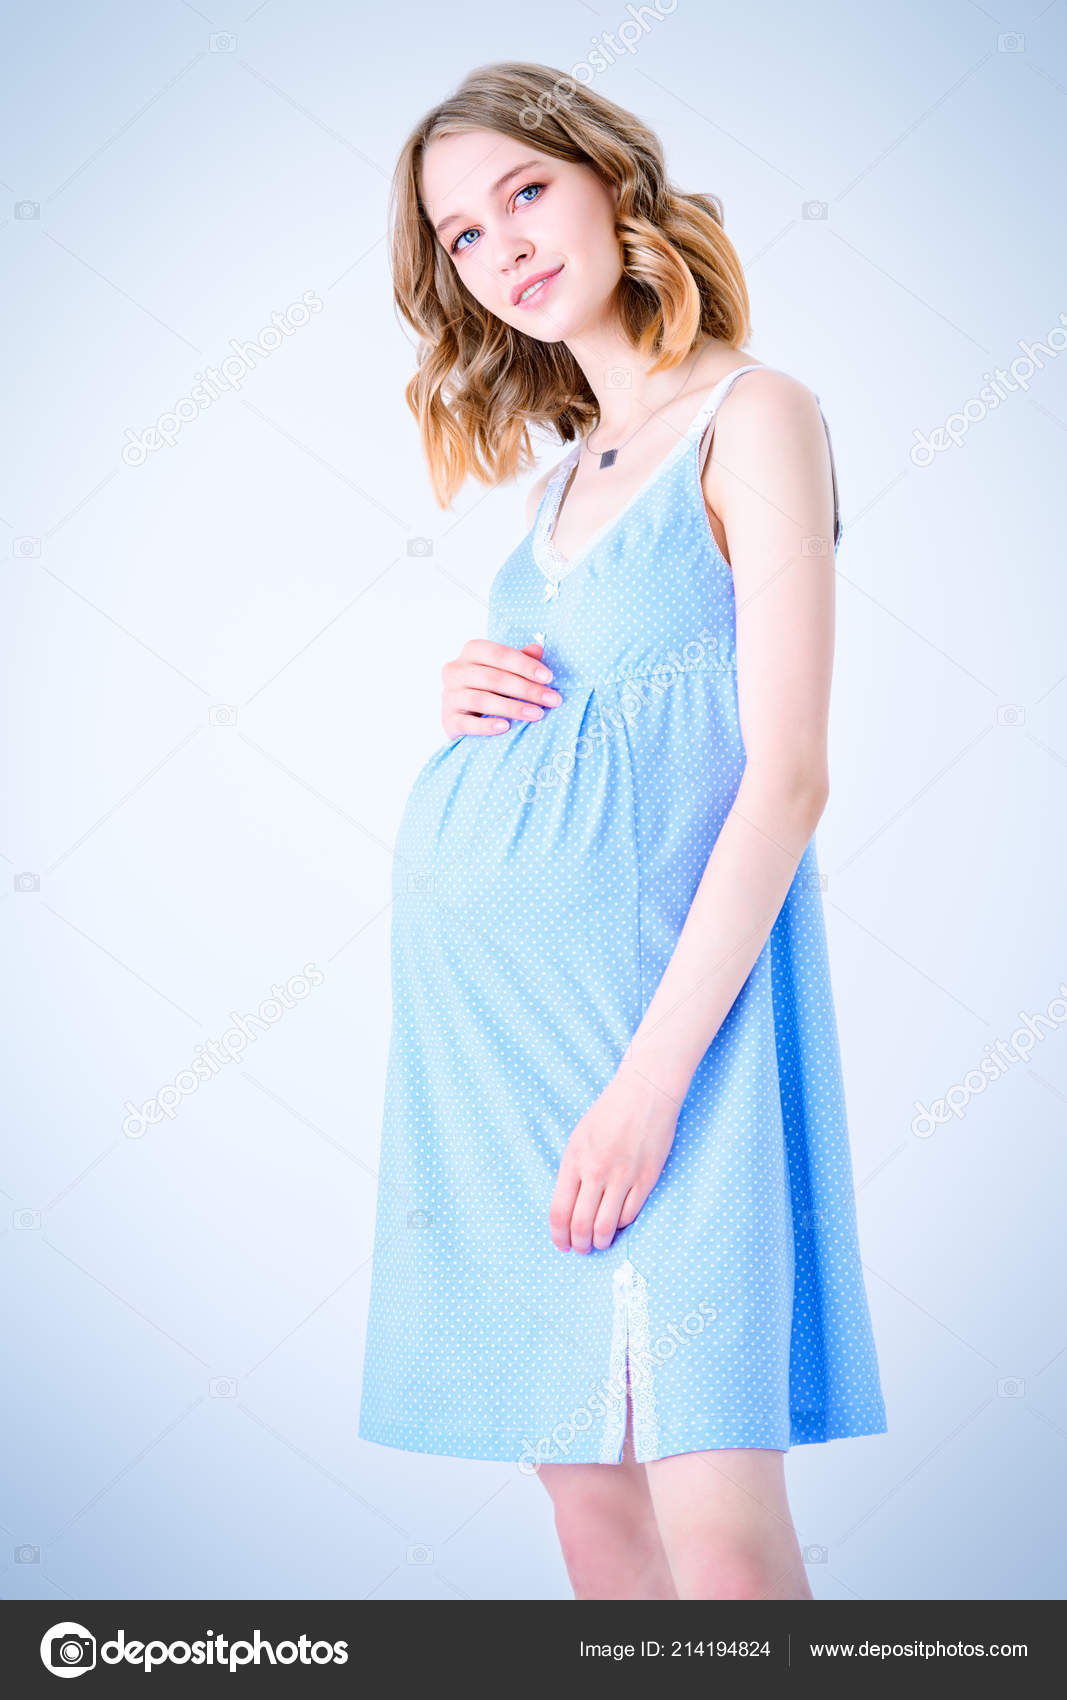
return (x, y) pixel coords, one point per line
(531, 819)
(516, 917)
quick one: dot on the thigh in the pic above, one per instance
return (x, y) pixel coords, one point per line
(607, 1528)
(738, 1493)
(623, 1484)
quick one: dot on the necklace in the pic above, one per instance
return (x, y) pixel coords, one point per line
(608, 457)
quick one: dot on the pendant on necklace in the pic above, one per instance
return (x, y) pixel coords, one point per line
(608, 458)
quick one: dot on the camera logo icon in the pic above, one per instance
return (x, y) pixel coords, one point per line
(68, 1649)
(1010, 714)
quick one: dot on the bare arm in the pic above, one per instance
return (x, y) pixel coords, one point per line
(773, 488)
(768, 479)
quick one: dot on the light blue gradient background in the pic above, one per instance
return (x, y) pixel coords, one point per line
(187, 194)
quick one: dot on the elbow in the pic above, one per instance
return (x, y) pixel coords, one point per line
(807, 792)
(813, 784)
(797, 790)
(820, 796)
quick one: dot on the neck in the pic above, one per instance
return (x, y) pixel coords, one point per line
(626, 388)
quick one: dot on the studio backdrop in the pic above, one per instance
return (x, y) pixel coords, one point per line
(226, 605)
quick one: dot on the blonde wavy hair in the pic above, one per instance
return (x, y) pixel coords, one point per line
(480, 383)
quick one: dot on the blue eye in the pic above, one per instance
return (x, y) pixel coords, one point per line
(525, 190)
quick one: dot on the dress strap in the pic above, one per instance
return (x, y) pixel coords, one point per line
(838, 526)
(704, 425)
(707, 413)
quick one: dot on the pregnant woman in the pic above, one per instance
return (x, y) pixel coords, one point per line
(616, 1237)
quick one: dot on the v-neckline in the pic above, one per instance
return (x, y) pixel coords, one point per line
(545, 549)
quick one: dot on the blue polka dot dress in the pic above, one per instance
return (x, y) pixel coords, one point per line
(541, 879)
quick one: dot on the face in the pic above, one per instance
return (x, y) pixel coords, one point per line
(508, 216)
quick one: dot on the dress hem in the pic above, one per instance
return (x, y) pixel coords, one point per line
(805, 1431)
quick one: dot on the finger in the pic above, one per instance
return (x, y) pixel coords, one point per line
(632, 1206)
(524, 679)
(606, 1220)
(559, 1212)
(470, 676)
(510, 683)
(474, 725)
(484, 653)
(586, 1206)
(473, 701)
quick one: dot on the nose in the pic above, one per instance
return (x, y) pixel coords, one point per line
(513, 261)
(513, 253)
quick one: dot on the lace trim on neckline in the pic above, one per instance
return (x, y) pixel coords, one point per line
(547, 556)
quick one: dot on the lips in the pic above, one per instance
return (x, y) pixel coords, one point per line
(536, 278)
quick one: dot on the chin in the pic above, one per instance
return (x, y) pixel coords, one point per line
(545, 333)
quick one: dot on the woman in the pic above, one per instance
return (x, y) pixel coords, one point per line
(613, 1027)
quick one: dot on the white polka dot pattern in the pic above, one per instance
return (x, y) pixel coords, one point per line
(541, 879)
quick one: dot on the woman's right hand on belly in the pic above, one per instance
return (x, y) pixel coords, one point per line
(490, 684)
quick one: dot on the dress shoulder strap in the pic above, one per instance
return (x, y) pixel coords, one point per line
(704, 425)
(704, 419)
(838, 526)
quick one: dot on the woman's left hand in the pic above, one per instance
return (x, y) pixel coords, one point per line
(612, 1161)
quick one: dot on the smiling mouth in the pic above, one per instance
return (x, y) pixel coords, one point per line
(538, 288)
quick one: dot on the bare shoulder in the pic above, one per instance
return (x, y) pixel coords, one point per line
(768, 477)
(768, 430)
(766, 400)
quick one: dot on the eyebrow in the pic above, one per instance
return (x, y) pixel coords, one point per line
(458, 218)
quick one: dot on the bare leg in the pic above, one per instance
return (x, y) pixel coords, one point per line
(607, 1528)
(726, 1527)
